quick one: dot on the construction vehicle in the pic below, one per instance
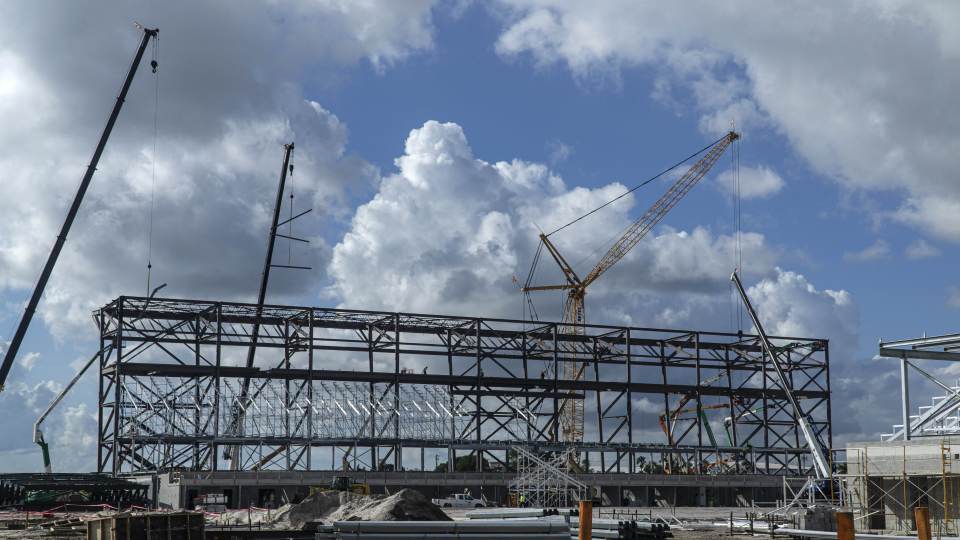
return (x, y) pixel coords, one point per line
(574, 316)
(700, 415)
(346, 483)
(11, 353)
(459, 500)
(821, 468)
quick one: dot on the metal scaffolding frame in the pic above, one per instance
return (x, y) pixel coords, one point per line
(546, 481)
(883, 491)
(369, 387)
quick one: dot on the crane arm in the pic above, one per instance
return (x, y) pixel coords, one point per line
(820, 466)
(11, 354)
(649, 220)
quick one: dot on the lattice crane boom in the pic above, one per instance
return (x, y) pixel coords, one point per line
(632, 236)
(574, 311)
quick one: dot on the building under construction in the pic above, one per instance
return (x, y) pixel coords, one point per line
(389, 396)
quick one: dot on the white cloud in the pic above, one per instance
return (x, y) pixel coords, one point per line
(231, 80)
(559, 152)
(29, 360)
(449, 231)
(838, 80)
(953, 296)
(921, 249)
(755, 182)
(226, 105)
(875, 251)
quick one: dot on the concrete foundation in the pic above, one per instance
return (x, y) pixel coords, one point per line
(273, 488)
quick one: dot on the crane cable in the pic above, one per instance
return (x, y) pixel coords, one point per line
(536, 258)
(736, 313)
(640, 185)
(154, 63)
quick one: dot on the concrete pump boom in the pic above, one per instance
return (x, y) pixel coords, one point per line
(11, 353)
(820, 464)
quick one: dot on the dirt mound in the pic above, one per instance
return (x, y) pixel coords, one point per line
(405, 505)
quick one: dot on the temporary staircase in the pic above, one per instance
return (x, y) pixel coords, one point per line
(546, 481)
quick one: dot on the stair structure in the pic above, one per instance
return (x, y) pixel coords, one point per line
(545, 481)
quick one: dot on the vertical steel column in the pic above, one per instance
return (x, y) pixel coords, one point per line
(479, 345)
(118, 376)
(596, 376)
(397, 446)
(555, 436)
(826, 363)
(905, 396)
(526, 375)
(287, 451)
(102, 363)
(196, 390)
(310, 392)
(696, 344)
(215, 450)
(666, 406)
(632, 453)
(451, 453)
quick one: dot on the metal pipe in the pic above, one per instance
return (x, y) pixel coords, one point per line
(31, 308)
(485, 526)
(450, 536)
(783, 531)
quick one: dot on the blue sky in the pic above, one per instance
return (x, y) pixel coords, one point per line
(515, 80)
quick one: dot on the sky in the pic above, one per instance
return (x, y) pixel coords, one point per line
(434, 139)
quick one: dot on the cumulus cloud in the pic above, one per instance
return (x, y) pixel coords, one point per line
(875, 251)
(821, 76)
(755, 182)
(921, 249)
(231, 93)
(449, 232)
(226, 106)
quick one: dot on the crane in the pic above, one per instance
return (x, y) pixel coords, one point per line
(820, 466)
(11, 354)
(574, 313)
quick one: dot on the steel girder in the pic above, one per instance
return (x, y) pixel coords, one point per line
(367, 388)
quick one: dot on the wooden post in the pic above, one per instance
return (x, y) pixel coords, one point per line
(586, 521)
(845, 529)
(922, 516)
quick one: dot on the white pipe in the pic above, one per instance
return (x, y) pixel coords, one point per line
(861, 536)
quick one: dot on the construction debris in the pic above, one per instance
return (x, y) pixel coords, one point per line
(329, 506)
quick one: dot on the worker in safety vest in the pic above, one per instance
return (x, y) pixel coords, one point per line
(523, 500)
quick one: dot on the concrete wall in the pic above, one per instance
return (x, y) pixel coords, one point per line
(266, 488)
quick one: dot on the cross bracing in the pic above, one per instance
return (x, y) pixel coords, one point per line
(372, 387)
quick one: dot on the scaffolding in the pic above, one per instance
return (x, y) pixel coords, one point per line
(884, 483)
(546, 481)
(369, 389)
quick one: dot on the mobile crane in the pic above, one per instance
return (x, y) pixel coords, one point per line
(821, 468)
(11, 353)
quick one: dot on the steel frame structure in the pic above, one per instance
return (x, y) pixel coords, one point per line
(170, 371)
(942, 417)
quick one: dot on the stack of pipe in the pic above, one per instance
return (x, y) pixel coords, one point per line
(606, 529)
(492, 529)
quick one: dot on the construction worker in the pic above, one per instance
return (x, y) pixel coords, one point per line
(523, 501)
